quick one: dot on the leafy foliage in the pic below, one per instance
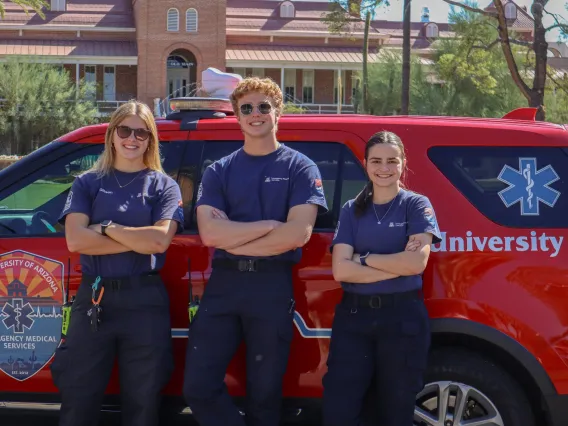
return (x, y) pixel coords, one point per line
(36, 5)
(468, 76)
(39, 103)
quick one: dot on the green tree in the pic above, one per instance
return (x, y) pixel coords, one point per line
(464, 80)
(342, 17)
(39, 103)
(36, 5)
(538, 49)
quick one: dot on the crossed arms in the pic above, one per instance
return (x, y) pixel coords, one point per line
(85, 239)
(411, 261)
(261, 238)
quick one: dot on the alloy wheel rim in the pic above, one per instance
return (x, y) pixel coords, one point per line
(448, 403)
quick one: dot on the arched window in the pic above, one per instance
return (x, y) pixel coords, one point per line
(432, 31)
(287, 10)
(191, 20)
(510, 11)
(173, 19)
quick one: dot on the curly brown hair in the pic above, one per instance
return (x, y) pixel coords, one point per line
(266, 86)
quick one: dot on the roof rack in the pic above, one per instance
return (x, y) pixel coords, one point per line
(218, 85)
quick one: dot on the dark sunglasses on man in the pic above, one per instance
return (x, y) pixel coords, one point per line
(140, 134)
(263, 107)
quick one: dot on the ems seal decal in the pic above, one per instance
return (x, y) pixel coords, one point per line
(31, 294)
(528, 186)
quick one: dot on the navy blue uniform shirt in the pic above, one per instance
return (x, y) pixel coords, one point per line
(152, 196)
(410, 213)
(251, 188)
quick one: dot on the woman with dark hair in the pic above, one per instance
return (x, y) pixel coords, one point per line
(381, 327)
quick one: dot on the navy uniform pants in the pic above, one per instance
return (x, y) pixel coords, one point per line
(382, 341)
(135, 328)
(257, 307)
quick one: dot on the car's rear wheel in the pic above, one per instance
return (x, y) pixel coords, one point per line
(463, 388)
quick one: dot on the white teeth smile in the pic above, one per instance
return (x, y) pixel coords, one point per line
(257, 123)
(130, 146)
(384, 176)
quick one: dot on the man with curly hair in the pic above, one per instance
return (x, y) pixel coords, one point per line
(257, 207)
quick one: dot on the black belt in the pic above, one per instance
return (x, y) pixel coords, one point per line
(117, 283)
(251, 265)
(377, 301)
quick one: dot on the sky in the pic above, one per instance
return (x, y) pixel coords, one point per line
(439, 11)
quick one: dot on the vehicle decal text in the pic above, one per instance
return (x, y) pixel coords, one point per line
(534, 242)
(31, 294)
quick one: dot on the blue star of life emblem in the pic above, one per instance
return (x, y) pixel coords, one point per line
(18, 315)
(528, 186)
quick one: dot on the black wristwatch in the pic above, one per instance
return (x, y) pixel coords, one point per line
(363, 259)
(104, 225)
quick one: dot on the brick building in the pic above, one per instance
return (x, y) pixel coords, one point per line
(154, 49)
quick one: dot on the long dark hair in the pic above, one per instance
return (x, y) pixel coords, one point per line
(364, 197)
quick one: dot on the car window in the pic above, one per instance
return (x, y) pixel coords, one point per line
(521, 187)
(33, 206)
(187, 177)
(334, 160)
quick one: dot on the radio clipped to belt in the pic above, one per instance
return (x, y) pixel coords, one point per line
(67, 305)
(193, 304)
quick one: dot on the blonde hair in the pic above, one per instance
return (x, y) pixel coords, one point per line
(266, 86)
(152, 160)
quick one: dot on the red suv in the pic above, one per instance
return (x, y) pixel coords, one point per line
(496, 286)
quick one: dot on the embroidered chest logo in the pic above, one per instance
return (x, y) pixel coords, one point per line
(528, 186)
(275, 179)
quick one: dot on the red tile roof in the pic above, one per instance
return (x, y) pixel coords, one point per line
(331, 55)
(94, 13)
(270, 8)
(524, 19)
(67, 48)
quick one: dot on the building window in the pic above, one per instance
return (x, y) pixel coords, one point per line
(510, 11)
(191, 20)
(240, 71)
(58, 5)
(91, 81)
(109, 83)
(173, 19)
(355, 86)
(258, 72)
(432, 31)
(308, 86)
(287, 10)
(289, 85)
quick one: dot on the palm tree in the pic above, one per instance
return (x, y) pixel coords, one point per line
(36, 5)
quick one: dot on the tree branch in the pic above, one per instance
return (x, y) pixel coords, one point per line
(509, 57)
(521, 43)
(557, 18)
(563, 27)
(471, 9)
(560, 86)
(489, 46)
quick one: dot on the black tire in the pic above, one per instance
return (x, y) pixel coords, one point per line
(471, 369)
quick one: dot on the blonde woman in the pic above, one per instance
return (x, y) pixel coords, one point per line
(121, 217)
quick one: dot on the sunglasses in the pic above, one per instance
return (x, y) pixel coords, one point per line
(263, 108)
(125, 132)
